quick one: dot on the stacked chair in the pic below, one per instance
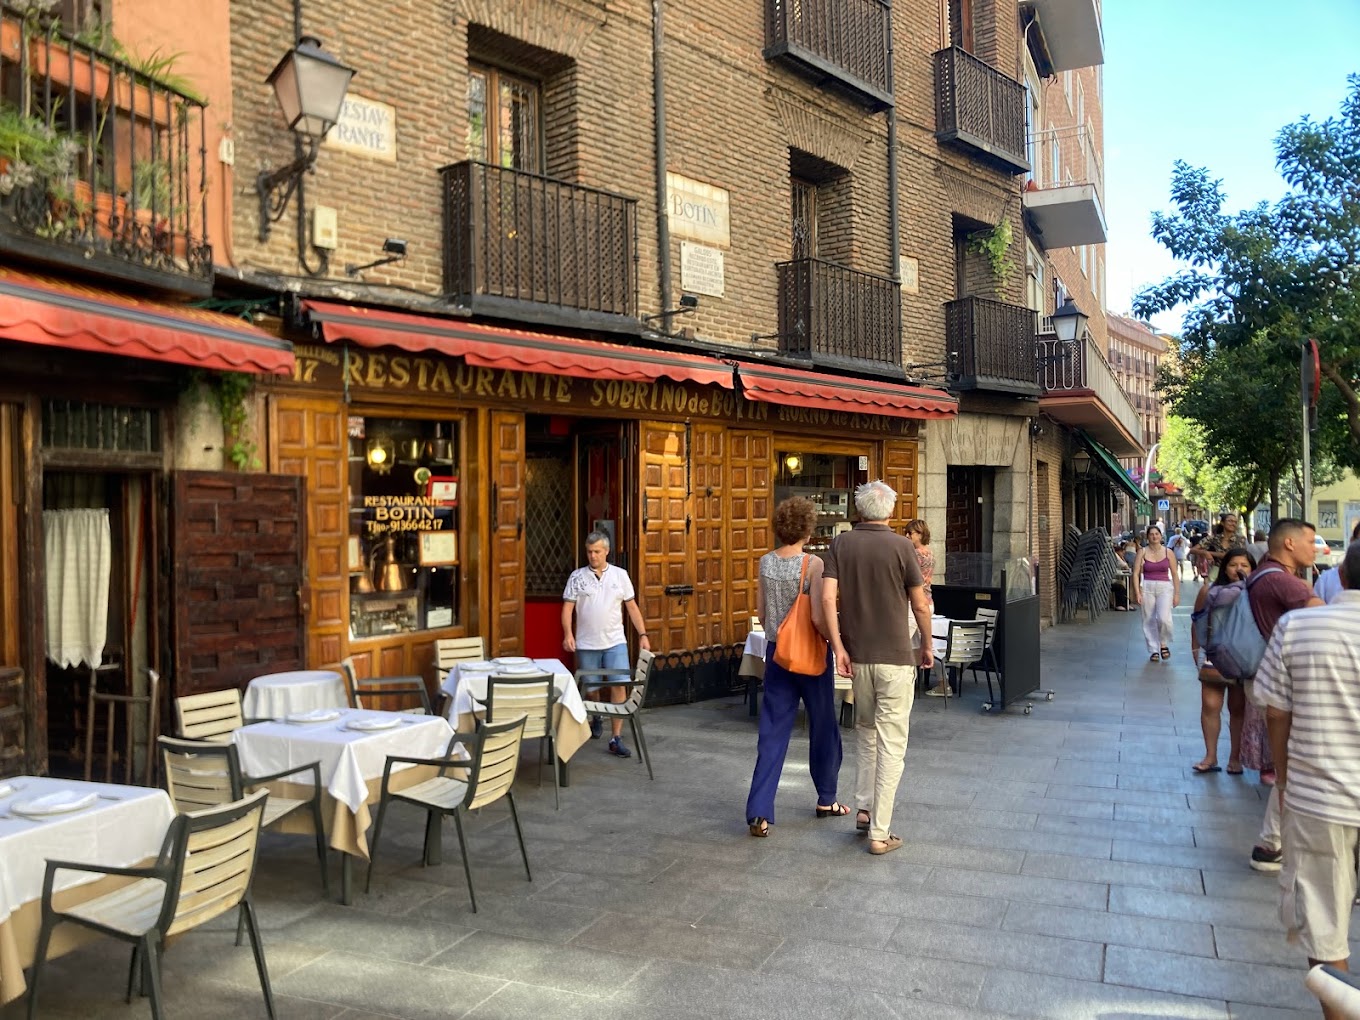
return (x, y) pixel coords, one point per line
(1087, 571)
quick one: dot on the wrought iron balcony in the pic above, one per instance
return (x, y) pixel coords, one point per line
(830, 314)
(103, 168)
(990, 346)
(835, 42)
(1080, 389)
(981, 109)
(528, 247)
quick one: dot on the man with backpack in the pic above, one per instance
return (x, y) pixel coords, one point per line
(1272, 590)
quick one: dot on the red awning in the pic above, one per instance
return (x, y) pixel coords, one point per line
(496, 347)
(776, 385)
(43, 310)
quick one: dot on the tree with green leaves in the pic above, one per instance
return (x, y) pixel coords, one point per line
(1262, 280)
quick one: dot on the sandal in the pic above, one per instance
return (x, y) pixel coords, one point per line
(1202, 769)
(1166, 652)
(879, 847)
(836, 810)
(1234, 770)
(760, 827)
(862, 824)
(1154, 657)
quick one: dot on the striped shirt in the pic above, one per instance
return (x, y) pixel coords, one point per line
(1312, 669)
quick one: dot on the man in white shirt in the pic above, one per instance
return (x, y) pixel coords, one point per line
(1309, 681)
(1179, 546)
(1328, 585)
(594, 594)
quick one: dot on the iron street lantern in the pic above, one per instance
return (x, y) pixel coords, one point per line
(1081, 460)
(310, 86)
(1069, 321)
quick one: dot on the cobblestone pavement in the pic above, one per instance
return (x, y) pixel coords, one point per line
(1066, 864)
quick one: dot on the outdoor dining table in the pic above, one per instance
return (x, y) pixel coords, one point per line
(466, 689)
(752, 667)
(352, 762)
(120, 826)
(275, 695)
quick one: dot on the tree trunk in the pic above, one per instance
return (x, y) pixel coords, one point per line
(1274, 495)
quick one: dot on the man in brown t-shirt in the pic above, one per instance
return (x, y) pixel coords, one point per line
(877, 577)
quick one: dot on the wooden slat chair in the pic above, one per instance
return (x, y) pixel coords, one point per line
(201, 775)
(203, 871)
(211, 716)
(756, 625)
(965, 645)
(448, 652)
(531, 695)
(490, 773)
(384, 687)
(594, 679)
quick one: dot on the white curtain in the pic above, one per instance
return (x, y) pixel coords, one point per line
(79, 549)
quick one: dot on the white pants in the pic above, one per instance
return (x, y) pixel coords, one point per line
(1270, 826)
(883, 699)
(1157, 614)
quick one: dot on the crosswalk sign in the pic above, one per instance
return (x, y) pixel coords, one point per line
(1163, 504)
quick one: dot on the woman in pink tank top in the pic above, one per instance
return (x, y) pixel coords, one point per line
(1157, 593)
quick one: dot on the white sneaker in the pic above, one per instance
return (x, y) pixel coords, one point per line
(938, 692)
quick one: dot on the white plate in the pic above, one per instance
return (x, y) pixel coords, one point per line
(314, 716)
(5, 790)
(61, 802)
(514, 669)
(367, 725)
(512, 660)
(481, 666)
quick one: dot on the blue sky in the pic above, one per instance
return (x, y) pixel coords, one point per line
(1209, 82)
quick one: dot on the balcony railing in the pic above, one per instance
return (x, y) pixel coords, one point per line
(531, 247)
(102, 167)
(842, 41)
(990, 346)
(1068, 155)
(1081, 368)
(830, 313)
(979, 107)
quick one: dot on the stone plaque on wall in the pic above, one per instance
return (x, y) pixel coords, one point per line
(701, 269)
(697, 210)
(366, 128)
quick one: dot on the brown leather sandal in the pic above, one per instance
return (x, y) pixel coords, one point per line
(760, 827)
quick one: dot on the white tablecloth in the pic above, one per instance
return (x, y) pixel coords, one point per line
(464, 689)
(275, 695)
(348, 757)
(753, 660)
(119, 833)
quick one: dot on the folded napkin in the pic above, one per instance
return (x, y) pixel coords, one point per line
(5, 789)
(315, 715)
(51, 803)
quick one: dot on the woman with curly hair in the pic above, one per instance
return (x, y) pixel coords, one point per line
(780, 571)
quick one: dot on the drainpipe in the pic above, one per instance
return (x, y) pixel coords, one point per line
(663, 227)
(894, 238)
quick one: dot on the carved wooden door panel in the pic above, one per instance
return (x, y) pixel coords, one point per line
(664, 576)
(709, 538)
(237, 545)
(311, 443)
(749, 511)
(899, 471)
(507, 533)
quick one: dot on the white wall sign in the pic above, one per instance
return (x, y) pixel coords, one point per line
(701, 269)
(366, 128)
(697, 210)
(909, 269)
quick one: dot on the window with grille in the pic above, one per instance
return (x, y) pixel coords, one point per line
(504, 119)
(804, 214)
(76, 425)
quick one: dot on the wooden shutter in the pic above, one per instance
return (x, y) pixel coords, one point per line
(709, 537)
(664, 547)
(237, 548)
(748, 521)
(507, 533)
(311, 443)
(899, 471)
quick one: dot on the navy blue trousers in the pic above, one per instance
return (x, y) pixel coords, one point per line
(778, 709)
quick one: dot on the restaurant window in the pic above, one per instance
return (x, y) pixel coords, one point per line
(504, 119)
(829, 480)
(405, 533)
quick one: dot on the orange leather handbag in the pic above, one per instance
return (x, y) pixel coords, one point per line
(798, 647)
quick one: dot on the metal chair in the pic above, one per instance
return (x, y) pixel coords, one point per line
(152, 703)
(211, 716)
(384, 687)
(594, 679)
(532, 696)
(204, 870)
(963, 648)
(200, 775)
(448, 652)
(490, 773)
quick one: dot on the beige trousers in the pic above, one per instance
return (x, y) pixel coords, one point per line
(883, 700)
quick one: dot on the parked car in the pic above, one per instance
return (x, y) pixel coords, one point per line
(1324, 551)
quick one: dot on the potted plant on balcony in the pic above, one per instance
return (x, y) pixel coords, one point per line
(995, 246)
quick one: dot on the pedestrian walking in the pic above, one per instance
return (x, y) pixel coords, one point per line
(783, 575)
(1179, 546)
(1328, 584)
(1156, 592)
(1309, 682)
(1214, 687)
(595, 594)
(1276, 589)
(880, 632)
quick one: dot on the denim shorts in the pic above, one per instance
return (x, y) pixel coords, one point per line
(605, 658)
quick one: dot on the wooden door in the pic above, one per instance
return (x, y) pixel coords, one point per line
(237, 544)
(664, 577)
(709, 537)
(311, 443)
(899, 471)
(12, 690)
(749, 460)
(507, 533)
